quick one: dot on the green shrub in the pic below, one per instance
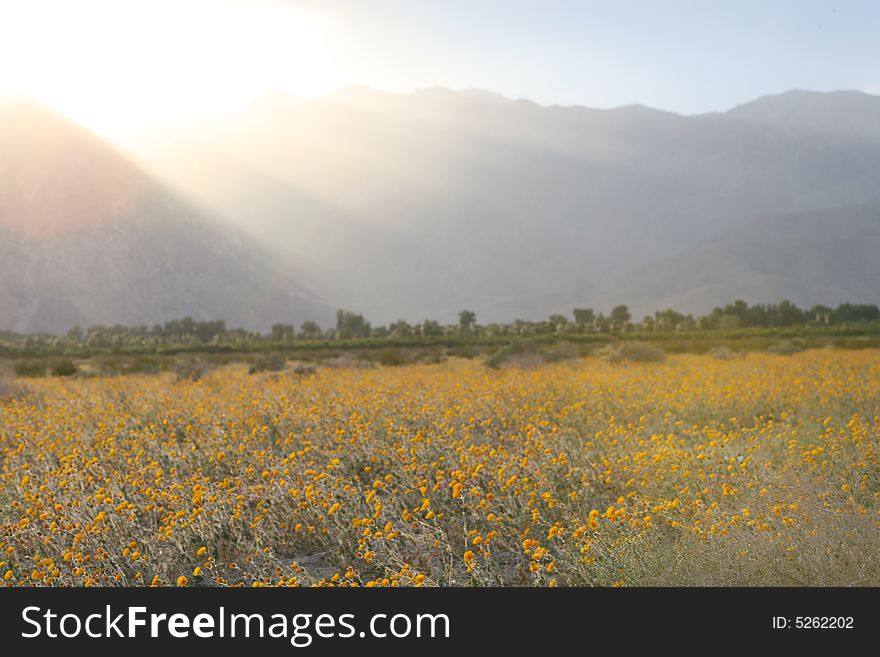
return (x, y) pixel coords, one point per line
(30, 368)
(390, 357)
(268, 363)
(637, 352)
(784, 348)
(190, 369)
(465, 351)
(430, 356)
(345, 360)
(724, 353)
(559, 351)
(147, 365)
(522, 353)
(64, 367)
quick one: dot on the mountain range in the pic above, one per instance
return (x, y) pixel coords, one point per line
(418, 205)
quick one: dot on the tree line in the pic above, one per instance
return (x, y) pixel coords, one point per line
(351, 325)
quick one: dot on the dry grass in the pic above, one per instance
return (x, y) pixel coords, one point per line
(9, 389)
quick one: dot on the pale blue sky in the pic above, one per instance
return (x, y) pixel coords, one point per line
(118, 65)
(682, 55)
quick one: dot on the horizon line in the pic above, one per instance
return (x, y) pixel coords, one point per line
(469, 92)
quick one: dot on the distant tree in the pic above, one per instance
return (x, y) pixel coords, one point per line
(467, 319)
(180, 329)
(746, 316)
(687, 323)
(667, 320)
(170, 329)
(430, 327)
(400, 329)
(620, 314)
(282, 332)
(856, 312)
(520, 327)
(310, 331)
(238, 336)
(558, 319)
(207, 331)
(821, 314)
(351, 325)
(785, 313)
(584, 315)
(497, 329)
(97, 336)
(187, 327)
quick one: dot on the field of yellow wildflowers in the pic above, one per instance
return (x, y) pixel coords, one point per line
(760, 470)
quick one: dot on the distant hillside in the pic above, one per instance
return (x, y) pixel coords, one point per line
(809, 258)
(418, 205)
(838, 112)
(86, 237)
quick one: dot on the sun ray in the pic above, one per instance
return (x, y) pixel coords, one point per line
(118, 66)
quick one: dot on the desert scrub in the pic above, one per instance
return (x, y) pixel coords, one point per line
(268, 363)
(638, 352)
(724, 353)
(115, 365)
(9, 389)
(189, 368)
(303, 369)
(30, 368)
(784, 348)
(64, 367)
(758, 470)
(528, 353)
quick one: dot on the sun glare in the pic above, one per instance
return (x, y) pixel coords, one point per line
(117, 65)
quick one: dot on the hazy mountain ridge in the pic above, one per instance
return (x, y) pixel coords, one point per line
(842, 112)
(73, 250)
(808, 257)
(420, 204)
